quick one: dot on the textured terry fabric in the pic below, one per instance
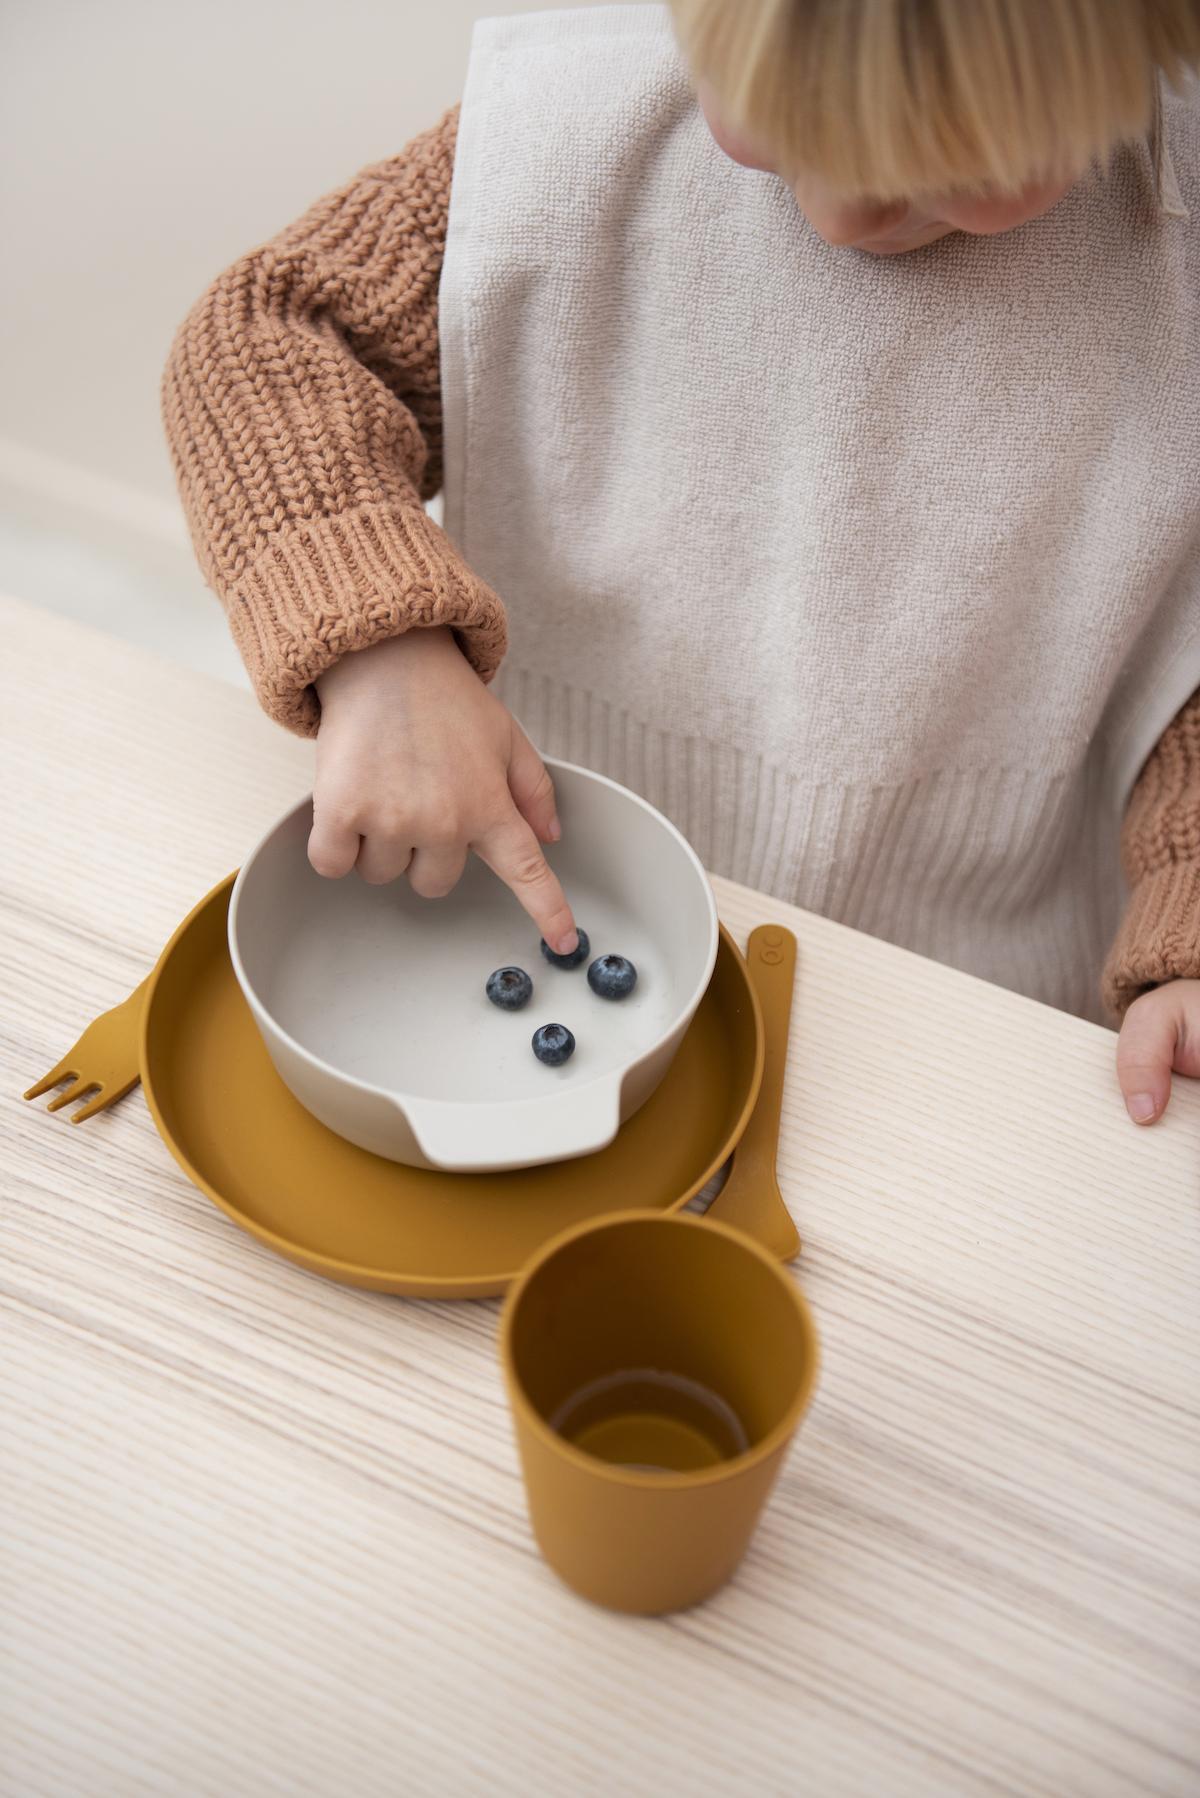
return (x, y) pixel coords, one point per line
(302, 410)
(878, 575)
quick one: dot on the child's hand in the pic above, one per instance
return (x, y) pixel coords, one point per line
(417, 763)
(1161, 1031)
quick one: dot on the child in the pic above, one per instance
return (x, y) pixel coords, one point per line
(834, 443)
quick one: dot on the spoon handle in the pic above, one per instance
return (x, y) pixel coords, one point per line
(750, 1198)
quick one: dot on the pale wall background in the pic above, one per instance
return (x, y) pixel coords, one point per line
(145, 145)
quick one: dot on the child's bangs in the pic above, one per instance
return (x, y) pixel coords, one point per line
(894, 98)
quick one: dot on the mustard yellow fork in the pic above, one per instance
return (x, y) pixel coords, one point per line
(104, 1062)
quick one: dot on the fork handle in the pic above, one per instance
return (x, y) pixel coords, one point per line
(130, 1010)
(123, 1043)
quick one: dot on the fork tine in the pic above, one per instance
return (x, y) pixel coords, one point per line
(64, 1071)
(105, 1096)
(74, 1091)
(103, 1063)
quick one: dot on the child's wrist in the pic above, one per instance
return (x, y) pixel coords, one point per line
(382, 659)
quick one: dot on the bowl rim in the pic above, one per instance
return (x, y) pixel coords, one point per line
(397, 1095)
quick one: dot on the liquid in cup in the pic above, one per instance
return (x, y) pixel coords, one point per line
(659, 1422)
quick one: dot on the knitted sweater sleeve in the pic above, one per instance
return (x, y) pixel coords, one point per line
(1159, 938)
(302, 410)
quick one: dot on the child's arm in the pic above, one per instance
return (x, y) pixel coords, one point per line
(1152, 976)
(302, 409)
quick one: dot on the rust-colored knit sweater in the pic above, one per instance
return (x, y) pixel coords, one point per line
(303, 415)
(302, 408)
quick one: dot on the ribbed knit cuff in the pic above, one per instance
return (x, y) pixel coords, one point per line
(322, 588)
(1159, 938)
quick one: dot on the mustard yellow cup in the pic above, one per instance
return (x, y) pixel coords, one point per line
(657, 1366)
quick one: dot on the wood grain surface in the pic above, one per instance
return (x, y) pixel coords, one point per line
(260, 1534)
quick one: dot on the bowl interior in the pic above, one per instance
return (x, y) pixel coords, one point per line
(388, 988)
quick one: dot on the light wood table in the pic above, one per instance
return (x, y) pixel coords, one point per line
(261, 1534)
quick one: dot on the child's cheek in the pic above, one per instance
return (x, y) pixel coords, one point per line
(734, 143)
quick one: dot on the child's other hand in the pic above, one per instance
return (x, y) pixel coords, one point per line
(417, 764)
(1161, 1032)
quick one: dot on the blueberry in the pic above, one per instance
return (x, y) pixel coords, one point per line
(510, 988)
(553, 1044)
(612, 976)
(580, 953)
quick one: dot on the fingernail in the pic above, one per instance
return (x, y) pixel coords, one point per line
(568, 944)
(554, 829)
(1141, 1107)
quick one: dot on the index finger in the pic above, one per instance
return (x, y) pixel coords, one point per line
(511, 850)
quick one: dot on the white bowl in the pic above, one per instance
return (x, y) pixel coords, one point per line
(371, 1000)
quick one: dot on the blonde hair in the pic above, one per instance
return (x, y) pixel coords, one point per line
(892, 98)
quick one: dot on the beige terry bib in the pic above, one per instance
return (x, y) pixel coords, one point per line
(879, 576)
